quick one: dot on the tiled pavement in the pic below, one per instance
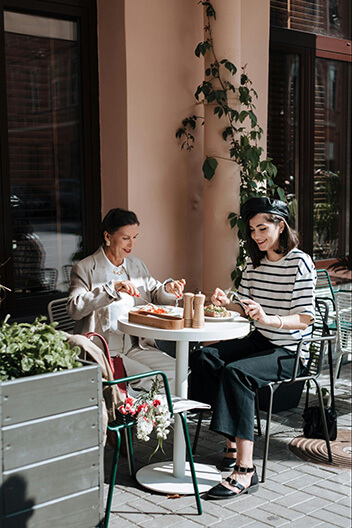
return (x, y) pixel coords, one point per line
(295, 492)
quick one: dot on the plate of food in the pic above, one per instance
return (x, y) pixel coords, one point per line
(156, 309)
(218, 313)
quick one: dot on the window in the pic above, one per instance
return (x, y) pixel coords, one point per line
(321, 17)
(47, 134)
(309, 122)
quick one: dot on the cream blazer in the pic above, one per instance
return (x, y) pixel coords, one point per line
(90, 294)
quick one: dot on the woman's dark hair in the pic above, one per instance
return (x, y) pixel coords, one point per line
(288, 240)
(115, 219)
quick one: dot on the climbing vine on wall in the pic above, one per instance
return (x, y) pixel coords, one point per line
(241, 131)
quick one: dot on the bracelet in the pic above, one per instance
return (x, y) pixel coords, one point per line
(281, 322)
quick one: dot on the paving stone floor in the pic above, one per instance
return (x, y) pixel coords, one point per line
(304, 494)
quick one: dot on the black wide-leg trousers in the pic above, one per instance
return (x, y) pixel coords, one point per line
(226, 375)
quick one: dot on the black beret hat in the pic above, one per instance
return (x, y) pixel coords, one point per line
(264, 204)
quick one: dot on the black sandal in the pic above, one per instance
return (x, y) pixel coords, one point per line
(221, 492)
(227, 462)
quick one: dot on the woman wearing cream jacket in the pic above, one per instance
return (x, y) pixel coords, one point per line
(109, 283)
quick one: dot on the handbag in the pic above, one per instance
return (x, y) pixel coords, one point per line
(115, 363)
(313, 426)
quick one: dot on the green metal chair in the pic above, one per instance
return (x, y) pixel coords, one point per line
(126, 423)
(344, 327)
(317, 348)
(325, 291)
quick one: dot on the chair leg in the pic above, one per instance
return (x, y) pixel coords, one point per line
(191, 463)
(130, 455)
(112, 478)
(323, 417)
(257, 413)
(196, 436)
(267, 432)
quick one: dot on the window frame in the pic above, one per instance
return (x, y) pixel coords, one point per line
(310, 47)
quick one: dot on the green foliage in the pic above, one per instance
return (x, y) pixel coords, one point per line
(27, 349)
(241, 132)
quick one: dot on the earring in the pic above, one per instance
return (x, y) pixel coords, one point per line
(107, 242)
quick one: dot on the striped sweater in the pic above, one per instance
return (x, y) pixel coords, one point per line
(284, 287)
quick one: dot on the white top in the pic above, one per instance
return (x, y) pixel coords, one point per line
(283, 287)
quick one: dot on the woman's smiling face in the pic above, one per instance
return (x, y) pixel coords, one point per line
(266, 234)
(121, 243)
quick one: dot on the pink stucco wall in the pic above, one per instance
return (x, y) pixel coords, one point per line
(148, 75)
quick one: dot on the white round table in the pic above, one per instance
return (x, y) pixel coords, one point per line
(176, 477)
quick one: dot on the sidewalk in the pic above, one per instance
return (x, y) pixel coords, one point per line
(295, 492)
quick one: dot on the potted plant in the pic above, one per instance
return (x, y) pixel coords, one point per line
(51, 433)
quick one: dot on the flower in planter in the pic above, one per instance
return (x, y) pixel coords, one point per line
(151, 411)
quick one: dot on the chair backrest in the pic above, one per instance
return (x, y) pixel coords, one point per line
(344, 320)
(66, 272)
(316, 349)
(57, 313)
(324, 289)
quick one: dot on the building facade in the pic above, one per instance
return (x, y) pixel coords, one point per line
(92, 93)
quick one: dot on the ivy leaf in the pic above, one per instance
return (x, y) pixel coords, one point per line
(218, 110)
(233, 222)
(243, 116)
(202, 48)
(230, 66)
(253, 118)
(281, 194)
(210, 11)
(209, 167)
(253, 156)
(227, 132)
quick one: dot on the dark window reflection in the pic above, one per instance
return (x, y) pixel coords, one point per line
(44, 120)
(283, 124)
(330, 156)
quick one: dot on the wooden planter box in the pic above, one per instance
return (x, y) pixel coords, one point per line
(52, 450)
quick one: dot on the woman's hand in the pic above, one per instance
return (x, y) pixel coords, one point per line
(126, 287)
(254, 310)
(176, 287)
(219, 298)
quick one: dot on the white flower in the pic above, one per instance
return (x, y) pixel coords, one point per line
(151, 411)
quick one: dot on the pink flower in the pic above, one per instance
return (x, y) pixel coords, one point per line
(156, 403)
(122, 409)
(129, 401)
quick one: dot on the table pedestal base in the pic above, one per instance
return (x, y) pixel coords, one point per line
(159, 477)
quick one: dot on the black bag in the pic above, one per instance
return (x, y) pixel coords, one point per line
(313, 424)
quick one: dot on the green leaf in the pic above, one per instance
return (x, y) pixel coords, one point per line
(231, 67)
(243, 116)
(253, 156)
(202, 48)
(244, 78)
(253, 118)
(209, 167)
(227, 132)
(210, 11)
(281, 194)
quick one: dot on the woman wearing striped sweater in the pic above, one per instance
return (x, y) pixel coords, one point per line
(277, 293)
